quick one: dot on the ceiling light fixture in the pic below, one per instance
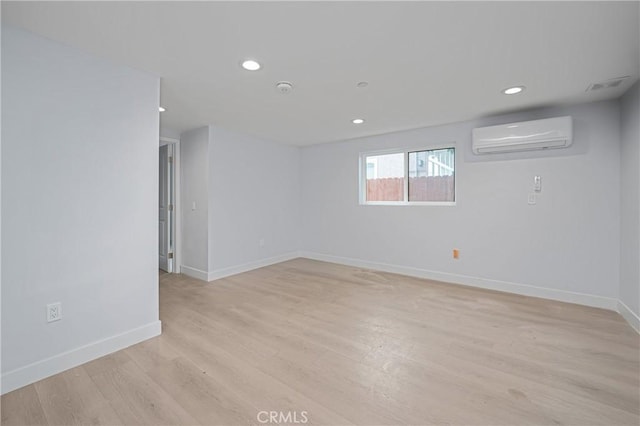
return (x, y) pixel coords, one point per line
(161, 109)
(250, 65)
(357, 121)
(362, 84)
(513, 90)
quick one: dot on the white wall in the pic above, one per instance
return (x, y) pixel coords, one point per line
(166, 132)
(630, 202)
(247, 192)
(254, 194)
(568, 242)
(194, 166)
(0, 205)
(79, 206)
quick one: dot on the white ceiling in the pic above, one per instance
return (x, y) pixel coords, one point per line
(427, 63)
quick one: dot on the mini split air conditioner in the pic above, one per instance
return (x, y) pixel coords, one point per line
(524, 136)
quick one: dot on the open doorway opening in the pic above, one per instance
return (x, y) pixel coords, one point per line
(167, 206)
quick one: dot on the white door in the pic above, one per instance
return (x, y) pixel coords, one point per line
(164, 211)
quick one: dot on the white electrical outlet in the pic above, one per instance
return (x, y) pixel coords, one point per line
(261, 242)
(54, 312)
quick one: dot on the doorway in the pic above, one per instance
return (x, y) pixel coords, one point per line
(167, 206)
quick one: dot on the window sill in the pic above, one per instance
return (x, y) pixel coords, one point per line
(409, 203)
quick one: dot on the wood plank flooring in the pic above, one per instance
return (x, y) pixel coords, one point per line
(337, 345)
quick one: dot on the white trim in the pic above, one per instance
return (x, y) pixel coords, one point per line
(193, 272)
(412, 148)
(53, 365)
(408, 203)
(177, 191)
(166, 141)
(632, 318)
(245, 267)
(405, 182)
(177, 210)
(486, 283)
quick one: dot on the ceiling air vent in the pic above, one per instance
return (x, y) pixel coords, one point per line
(609, 84)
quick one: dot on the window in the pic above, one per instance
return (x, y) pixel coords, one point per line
(431, 175)
(409, 177)
(385, 177)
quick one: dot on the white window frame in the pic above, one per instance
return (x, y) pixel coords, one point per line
(362, 172)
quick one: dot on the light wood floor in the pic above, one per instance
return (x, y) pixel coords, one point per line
(351, 346)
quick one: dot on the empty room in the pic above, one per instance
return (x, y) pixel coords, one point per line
(320, 212)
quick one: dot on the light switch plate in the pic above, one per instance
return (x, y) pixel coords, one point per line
(537, 183)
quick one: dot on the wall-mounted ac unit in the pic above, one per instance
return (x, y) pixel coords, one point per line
(524, 136)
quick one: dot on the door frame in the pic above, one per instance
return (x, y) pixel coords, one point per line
(177, 228)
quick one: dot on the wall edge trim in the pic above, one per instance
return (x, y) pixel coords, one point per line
(632, 318)
(217, 274)
(47, 367)
(193, 272)
(485, 283)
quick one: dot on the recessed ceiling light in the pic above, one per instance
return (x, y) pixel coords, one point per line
(161, 109)
(513, 90)
(357, 121)
(250, 65)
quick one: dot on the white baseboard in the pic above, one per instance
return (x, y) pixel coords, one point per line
(632, 318)
(49, 366)
(490, 284)
(486, 283)
(245, 267)
(193, 272)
